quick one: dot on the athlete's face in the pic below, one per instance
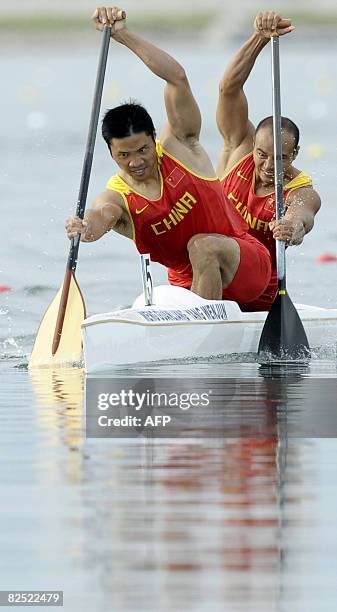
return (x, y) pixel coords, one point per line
(263, 153)
(136, 155)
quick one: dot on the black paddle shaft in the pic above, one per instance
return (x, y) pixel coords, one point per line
(278, 166)
(91, 139)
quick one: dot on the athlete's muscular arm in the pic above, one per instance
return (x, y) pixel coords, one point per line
(302, 206)
(232, 110)
(105, 215)
(184, 120)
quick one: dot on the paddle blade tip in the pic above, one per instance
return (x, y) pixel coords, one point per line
(283, 338)
(278, 355)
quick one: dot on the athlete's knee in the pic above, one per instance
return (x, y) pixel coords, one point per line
(203, 249)
(202, 245)
(196, 243)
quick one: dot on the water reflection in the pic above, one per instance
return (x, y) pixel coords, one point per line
(195, 524)
(198, 523)
(59, 421)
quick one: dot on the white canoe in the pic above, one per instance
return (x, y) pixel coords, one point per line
(181, 324)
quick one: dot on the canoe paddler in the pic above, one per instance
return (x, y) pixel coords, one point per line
(246, 164)
(166, 195)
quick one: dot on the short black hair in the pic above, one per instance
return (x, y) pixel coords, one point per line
(125, 120)
(286, 124)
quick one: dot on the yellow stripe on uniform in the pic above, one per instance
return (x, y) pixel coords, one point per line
(301, 180)
(116, 183)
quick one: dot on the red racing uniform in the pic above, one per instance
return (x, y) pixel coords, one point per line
(255, 212)
(188, 205)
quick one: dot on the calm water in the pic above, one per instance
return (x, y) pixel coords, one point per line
(236, 523)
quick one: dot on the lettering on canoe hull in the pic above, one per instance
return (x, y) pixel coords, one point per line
(209, 312)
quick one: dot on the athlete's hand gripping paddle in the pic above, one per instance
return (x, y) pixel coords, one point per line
(58, 339)
(283, 335)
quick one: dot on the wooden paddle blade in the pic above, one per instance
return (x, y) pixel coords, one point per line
(70, 346)
(283, 336)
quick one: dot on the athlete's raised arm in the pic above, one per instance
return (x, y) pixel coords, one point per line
(184, 120)
(232, 110)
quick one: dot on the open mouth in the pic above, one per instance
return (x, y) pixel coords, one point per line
(139, 171)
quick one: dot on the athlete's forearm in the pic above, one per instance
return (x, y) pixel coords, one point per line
(239, 69)
(301, 216)
(158, 61)
(303, 206)
(99, 220)
(292, 228)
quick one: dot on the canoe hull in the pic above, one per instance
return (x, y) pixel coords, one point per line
(183, 325)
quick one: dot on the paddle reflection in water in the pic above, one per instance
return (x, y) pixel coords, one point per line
(59, 414)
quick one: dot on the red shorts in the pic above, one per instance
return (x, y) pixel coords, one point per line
(265, 300)
(251, 279)
(253, 274)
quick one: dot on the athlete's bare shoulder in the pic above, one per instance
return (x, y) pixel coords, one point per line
(305, 195)
(189, 152)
